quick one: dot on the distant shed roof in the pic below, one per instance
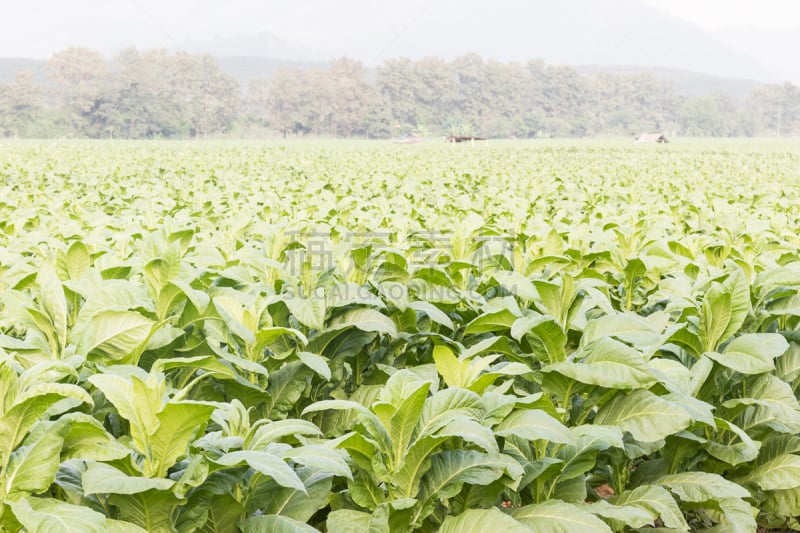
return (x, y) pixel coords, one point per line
(651, 138)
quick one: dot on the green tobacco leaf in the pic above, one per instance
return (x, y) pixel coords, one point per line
(738, 287)
(119, 526)
(77, 260)
(178, 422)
(783, 502)
(206, 363)
(630, 515)
(161, 270)
(400, 420)
(788, 365)
(45, 515)
(764, 345)
(100, 478)
(775, 405)
(463, 373)
(116, 334)
(346, 521)
(554, 516)
(444, 406)
(134, 402)
(545, 330)
(268, 337)
(699, 410)
(168, 296)
(741, 452)
(738, 515)
(266, 464)
(232, 308)
(286, 387)
(608, 363)
(151, 510)
(293, 503)
(646, 416)
(580, 457)
(21, 417)
(87, 439)
(325, 405)
(321, 459)
(516, 284)
(451, 469)
(561, 301)
(714, 319)
(494, 321)
(271, 432)
(689, 341)
(627, 327)
(317, 363)
(779, 473)
(275, 524)
(658, 501)
(702, 487)
(366, 494)
(408, 476)
(479, 521)
(366, 320)
(433, 312)
(54, 302)
(533, 425)
(32, 468)
(471, 431)
(752, 353)
(308, 311)
(222, 514)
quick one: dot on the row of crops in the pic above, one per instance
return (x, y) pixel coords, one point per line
(364, 337)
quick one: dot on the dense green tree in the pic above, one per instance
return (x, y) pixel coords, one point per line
(147, 94)
(776, 108)
(397, 86)
(715, 115)
(209, 97)
(80, 81)
(145, 100)
(348, 95)
(20, 106)
(283, 102)
(628, 104)
(471, 99)
(435, 91)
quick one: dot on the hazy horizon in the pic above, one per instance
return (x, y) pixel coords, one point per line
(758, 39)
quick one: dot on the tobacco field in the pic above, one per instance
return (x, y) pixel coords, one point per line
(365, 337)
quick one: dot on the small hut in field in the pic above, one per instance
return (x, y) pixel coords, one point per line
(651, 138)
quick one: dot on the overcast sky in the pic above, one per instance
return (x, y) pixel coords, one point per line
(718, 14)
(35, 28)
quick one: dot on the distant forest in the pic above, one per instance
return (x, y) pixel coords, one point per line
(156, 94)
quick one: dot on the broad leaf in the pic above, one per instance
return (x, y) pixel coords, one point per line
(480, 521)
(534, 425)
(554, 516)
(40, 515)
(702, 487)
(275, 524)
(646, 416)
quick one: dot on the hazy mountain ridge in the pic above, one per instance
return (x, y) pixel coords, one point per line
(778, 50)
(576, 32)
(11, 66)
(625, 36)
(686, 82)
(263, 45)
(247, 68)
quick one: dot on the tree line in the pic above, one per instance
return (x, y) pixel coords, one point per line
(156, 94)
